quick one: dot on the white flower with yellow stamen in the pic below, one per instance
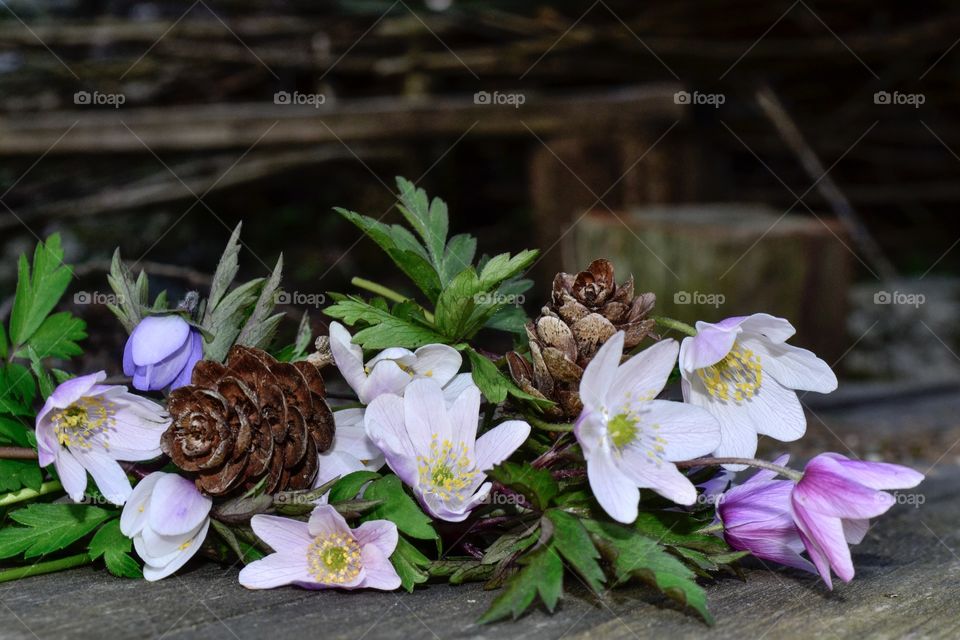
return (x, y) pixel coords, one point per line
(742, 371)
(629, 439)
(87, 426)
(435, 450)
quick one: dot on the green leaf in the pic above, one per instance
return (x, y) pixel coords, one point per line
(4, 347)
(542, 575)
(38, 289)
(260, 327)
(58, 335)
(132, 295)
(572, 541)
(17, 390)
(347, 487)
(13, 432)
(226, 271)
(411, 565)
(678, 529)
(459, 255)
(428, 218)
(494, 384)
(504, 266)
(386, 331)
(398, 507)
(225, 320)
(634, 555)
(537, 485)
(48, 528)
(44, 381)
(110, 543)
(16, 474)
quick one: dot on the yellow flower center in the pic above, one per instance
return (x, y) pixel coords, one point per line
(77, 425)
(448, 470)
(622, 430)
(737, 377)
(334, 559)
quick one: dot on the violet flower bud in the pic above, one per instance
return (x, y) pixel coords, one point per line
(161, 353)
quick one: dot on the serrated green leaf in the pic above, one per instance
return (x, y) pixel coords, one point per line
(542, 575)
(39, 288)
(634, 555)
(572, 541)
(17, 474)
(411, 565)
(132, 295)
(110, 543)
(57, 336)
(494, 384)
(504, 266)
(459, 255)
(398, 507)
(428, 218)
(386, 331)
(48, 528)
(226, 272)
(678, 529)
(537, 485)
(260, 327)
(510, 544)
(347, 487)
(227, 318)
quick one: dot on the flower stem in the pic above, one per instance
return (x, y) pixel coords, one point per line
(41, 568)
(786, 472)
(29, 494)
(716, 527)
(18, 453)
(548, 426)
(386, 292)
(676, 325)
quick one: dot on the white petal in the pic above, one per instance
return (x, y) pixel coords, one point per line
(107, 474)
(687, 431)
(351, 436)
(335, 464)
(425, 414)
(177, 506)
(381, 533)
(437, 361)
(72, 474)
(325, 521)
(133, 438)
(384, 424)
(276, 570)
(711, 344)
(190, 548)
(496, 445)
(770, 327)
(385, 377)
(134, 514)
(600, 373)
(643, 376)
(379, 571)
(284, 535)
(793, 367)
(738, 436)
(616, 493)
(776, 412)
(347, 356)
(453, 389)
(465, 416)
(662, 477)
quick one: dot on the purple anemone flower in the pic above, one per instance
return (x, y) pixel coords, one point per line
(833, 502)
(161, 352)
(756, 517)
(323, 553)
(87, 426)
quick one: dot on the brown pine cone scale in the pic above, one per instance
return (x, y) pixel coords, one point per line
(586, 309)
(249, 420)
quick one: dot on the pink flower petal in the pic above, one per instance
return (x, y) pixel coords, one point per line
(276, 570)
(425, 414)
(381, 533)
(499, 443)
(326, 521)
(877, 475)
(134, 515)
(186, 551)
(379, 571)
(284, 535)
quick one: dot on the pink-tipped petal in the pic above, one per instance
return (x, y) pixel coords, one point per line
(379, 571)
(380, 533)
(711, 345)
(877, 475)
(326, 521)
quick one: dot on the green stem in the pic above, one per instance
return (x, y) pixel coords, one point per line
(786, 472)
(386, 292)
(713, 528)
(548, 426)
(41, 568)
(676, 325)
(29, 494)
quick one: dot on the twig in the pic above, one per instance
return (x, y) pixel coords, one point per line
(17, 453)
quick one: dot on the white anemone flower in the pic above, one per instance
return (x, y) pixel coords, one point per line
(742, 371)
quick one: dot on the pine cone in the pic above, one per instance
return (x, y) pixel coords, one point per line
(249, 419)
(586, 309)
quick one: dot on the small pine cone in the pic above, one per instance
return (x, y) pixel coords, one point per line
(249, 419)
(586, 309)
